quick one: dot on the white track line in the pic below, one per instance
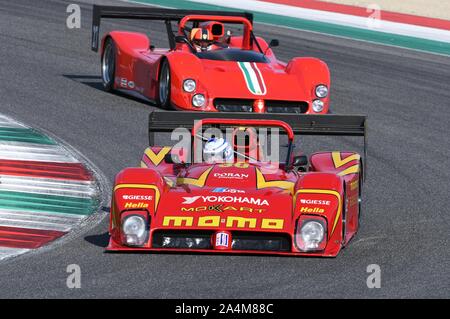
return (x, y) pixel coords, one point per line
(335, 18)
(39, 220)
(9, 252)
(47, 186)
(34, 152)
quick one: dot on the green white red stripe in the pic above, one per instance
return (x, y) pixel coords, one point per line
(400, 30)
(253, 78)
(44, 190)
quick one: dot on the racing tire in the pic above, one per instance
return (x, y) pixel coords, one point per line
(108, 66)
(164, 83)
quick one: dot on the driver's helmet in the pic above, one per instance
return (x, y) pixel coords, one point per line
(202, 39)
(217, 150)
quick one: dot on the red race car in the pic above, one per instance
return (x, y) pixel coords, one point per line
(214, 63)
(234, 197)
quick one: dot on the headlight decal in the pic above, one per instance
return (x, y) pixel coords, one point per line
(324, 191)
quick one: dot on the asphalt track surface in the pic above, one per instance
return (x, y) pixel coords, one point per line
(50, 79)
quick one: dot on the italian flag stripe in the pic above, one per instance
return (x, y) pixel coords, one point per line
(45, 192)
(253, 78)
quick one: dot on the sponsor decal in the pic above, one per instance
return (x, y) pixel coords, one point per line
(311, 210)
(221, 208)
(352, 201)
(231, 175)
(354, 185)
(315, 202)
(125, 83)
(228, 222)
(137, 197)
(223, 240)
(253, 78)
(190, 200)
(227, 190)
(136, 205)
(227, 199)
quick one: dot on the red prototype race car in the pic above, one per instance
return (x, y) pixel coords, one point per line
(207, 67)
(301, 206)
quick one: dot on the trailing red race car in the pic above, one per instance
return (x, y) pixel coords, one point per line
(234, 199)
(207, 67)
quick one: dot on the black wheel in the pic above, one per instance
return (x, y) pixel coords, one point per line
(164, 86)
(109, 65)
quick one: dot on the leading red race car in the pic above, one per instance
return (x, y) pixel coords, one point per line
(246, 203)
(207, 67)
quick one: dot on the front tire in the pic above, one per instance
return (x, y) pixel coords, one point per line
(109, 65)
(164, 86)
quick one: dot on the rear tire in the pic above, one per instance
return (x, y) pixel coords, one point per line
(109, 65)
(164, 86)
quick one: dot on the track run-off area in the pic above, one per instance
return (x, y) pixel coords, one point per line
(51, 80)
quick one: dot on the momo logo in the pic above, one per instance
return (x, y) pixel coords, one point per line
(227, 222)
(226, 199)
(137, 197)
(231, 175)
(315, 202)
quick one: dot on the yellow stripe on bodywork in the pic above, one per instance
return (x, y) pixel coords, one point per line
(324, 191)
(351, 170)
(262, 183)
(146, 186)
(338, 161)
(199, 182)
(156, 159)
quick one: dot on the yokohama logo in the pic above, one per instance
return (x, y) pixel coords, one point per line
(227, 199)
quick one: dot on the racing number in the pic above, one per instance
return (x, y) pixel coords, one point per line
(236, 165)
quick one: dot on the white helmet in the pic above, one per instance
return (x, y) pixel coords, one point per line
(217, 150)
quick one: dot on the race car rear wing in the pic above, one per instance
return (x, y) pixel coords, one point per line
(149, 13)
(301, 124)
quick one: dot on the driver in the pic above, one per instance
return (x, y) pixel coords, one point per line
(202, 39)
(217, 150)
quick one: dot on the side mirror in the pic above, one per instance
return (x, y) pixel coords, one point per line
(300, 161)
(274, 43)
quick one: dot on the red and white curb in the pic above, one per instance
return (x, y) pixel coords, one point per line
(392, 23)
(46, 192)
